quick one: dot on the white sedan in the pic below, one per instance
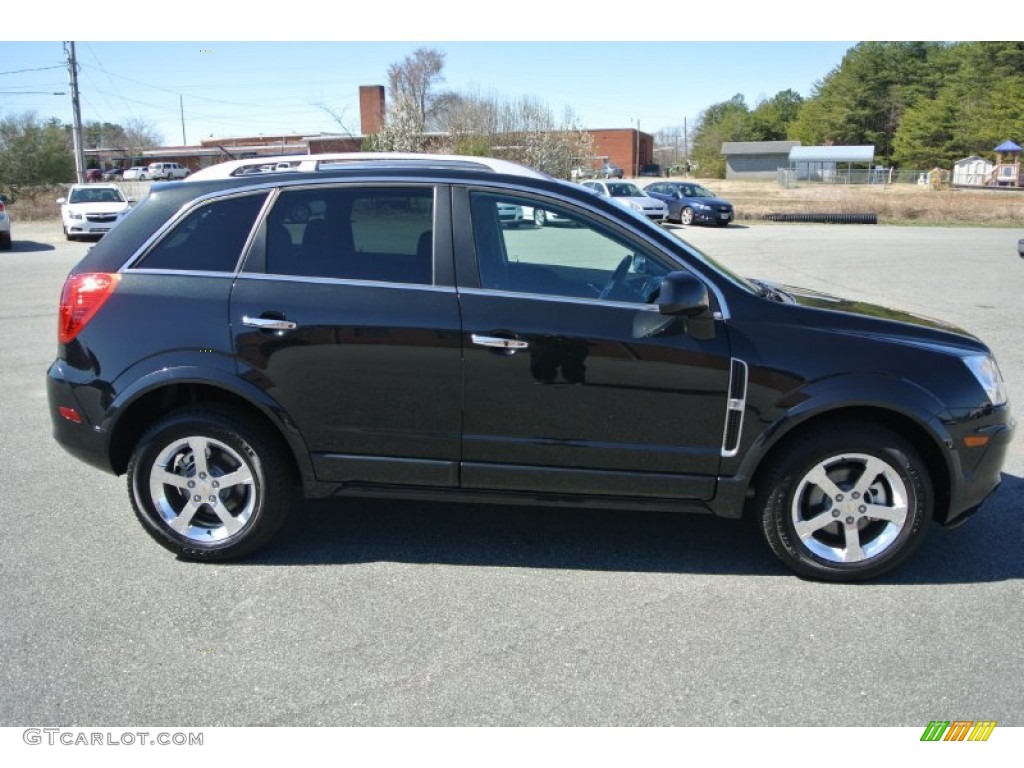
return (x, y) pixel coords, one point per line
(629, 195)
(92, 209)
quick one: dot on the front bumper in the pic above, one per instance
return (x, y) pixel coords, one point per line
(977, 470)
(86, 227)
(713, 217)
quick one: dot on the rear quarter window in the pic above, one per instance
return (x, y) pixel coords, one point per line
(208, 239)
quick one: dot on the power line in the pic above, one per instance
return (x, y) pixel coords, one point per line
(34, 69)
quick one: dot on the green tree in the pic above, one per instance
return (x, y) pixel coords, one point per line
(770, 119)
(725, 121)
(980, 104)
(34, 152)
(863, 99)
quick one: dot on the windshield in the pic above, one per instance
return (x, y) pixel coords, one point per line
(624, 190)
(105, 195)
(696, 190)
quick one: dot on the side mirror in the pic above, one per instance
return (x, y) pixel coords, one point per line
(61, 200)
(683, 294)
(132, 201)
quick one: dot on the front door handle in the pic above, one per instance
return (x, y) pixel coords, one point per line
(269, 323)
(497, 342)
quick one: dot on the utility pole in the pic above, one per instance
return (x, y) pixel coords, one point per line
(181, 107)
(76, 116)
(686, 146)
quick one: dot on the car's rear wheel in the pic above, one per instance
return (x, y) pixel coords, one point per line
(540, 218)
(686, 215)
(208, 484)
(5, 241)
(846, 504)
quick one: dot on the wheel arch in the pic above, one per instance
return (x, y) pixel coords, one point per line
(925, 442)
(135, 416)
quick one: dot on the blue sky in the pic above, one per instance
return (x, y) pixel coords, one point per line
(242, 88)
(611, 69)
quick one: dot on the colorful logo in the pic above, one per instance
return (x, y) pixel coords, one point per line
(958, 730)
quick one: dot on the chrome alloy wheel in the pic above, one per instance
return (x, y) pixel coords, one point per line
(202, 488)
(850, 508)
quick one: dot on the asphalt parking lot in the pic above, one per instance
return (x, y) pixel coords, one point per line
(374, 613)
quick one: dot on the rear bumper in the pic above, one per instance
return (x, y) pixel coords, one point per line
(82, 439)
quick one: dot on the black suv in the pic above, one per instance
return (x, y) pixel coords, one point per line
(365, 325)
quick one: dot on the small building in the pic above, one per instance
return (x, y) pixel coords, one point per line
(825, 163)
(973, 171)
(756, 159)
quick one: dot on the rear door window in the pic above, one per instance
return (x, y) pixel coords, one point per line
(353, 233)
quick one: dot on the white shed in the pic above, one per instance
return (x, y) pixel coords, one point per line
(972, 171)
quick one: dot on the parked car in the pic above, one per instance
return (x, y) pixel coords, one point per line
(630, 195)
(366, 326)
(166, 171)
(94, 174)
(652, 169)
(92, 209)
(113, 174)
(689, 203)
(510, 215)
(542, 217)
(609, 171)
(136, 173)
(5, 225)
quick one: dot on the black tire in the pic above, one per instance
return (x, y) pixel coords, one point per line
(5, 241)
(686, 215)
(540, 217)
(255, 505)
(845, 504)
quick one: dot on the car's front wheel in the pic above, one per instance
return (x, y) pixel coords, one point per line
(208, 484)
(540, 218)
(846, 504)
(686, 215)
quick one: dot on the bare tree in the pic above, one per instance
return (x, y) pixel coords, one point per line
(141, 134)
(524, 130)
(411, 87)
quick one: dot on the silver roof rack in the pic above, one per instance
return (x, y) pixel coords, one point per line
(359, 160)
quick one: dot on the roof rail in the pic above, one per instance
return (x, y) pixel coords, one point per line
(357, 160)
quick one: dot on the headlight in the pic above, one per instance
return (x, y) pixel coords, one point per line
(76, 215)
(702, 207)
(987, 373)
(635, 206)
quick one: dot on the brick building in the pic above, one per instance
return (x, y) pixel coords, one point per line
(628, 148)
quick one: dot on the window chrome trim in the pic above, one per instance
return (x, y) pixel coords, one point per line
(346, 282)
(636, 306)
(188, 272)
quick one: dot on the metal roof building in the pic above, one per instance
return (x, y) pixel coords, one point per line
(864, 153)
(821, 163)
(755, 159)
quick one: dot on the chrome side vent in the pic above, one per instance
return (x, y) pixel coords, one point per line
(734, 409)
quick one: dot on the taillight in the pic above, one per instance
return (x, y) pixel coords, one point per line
(81, 298)
(1, 206)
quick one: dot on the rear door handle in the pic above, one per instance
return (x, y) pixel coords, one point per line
(497, 342)
(269, 323)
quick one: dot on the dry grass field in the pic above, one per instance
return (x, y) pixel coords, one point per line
(893, 203)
